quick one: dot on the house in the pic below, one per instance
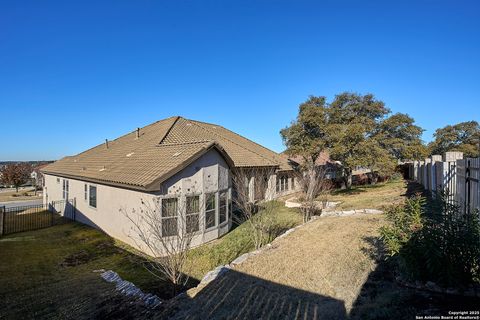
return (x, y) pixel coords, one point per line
(323, 161)
(174, 161)
(37, 176)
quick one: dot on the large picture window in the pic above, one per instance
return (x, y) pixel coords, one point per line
(169, 217)
(92, 199)
(210, 208)
(192, 213)
(223, 209)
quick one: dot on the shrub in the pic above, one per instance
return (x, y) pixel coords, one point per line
(434, 242)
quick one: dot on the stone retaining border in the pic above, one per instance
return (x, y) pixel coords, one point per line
(129, 289)
(472, 291)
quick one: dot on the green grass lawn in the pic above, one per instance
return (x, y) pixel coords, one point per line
(48, 273)
(235, 243)
(370, 196)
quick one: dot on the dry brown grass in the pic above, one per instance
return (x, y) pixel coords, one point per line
(317, 271)
(370, 196)
(24, 194)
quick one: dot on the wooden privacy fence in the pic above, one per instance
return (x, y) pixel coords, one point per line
(458, 177)
(33, 217)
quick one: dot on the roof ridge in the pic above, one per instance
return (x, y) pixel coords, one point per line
(169, 129)
(217, 134)
(183, 143)
(256, 143)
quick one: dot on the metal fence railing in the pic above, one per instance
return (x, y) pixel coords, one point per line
(33, 217)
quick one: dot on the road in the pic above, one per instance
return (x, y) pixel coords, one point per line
(21, 203)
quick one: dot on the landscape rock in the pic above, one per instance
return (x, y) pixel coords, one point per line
(214, 274)
(129, 289)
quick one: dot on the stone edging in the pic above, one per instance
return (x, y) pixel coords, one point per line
(129, 289)
(342, 213)
(472, 291)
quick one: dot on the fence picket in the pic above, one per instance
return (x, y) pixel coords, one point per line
(26, 218)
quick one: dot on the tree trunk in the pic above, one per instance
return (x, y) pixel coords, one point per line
(347, 178)
(374, 178)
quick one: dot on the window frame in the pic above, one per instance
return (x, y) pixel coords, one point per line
(65, 189)
(225, 192)
(176, 216)
(190, 214)
(90, 186)
(214, 195)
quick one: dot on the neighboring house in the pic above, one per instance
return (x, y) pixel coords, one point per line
(323, 160)
(37, 176)
(174, 160)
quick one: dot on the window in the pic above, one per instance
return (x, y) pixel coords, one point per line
(93, 197)
(210, 208)
(169, 217)
(65, 188)
(282, 183)
(85, 192)
(192, 214)
(223, 207)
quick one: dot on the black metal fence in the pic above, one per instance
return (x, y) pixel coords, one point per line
(33, 217)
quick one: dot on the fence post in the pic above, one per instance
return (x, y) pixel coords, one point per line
(467, 187)
(52, 212)
(2, 220)
(74, 209)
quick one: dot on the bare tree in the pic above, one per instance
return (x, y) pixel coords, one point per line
(314, 185)
(165, 227)
(253, 194)
(16, 174)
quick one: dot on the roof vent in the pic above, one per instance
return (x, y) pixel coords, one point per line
(138, 133)
(130, 154)
(189, 124)
(106, 143)
(84, 168)
(176, 154)
(103, 169)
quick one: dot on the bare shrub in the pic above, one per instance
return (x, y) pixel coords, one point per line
(252, 204)
(313, 185)
(165, 228)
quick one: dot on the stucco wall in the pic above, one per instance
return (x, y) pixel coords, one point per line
(209, 173)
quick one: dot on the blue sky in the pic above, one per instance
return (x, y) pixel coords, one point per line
(73, 73)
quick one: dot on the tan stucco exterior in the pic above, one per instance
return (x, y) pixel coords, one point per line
(209, 173)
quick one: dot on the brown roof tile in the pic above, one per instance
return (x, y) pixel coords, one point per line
(162, 149)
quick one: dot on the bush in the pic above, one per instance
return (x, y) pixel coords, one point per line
(434, 242)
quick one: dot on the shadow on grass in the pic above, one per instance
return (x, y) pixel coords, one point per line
(236, 295)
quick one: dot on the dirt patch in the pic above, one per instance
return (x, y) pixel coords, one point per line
(77, 258)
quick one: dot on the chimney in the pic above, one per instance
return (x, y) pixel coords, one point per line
(106, 143)
(138, 133)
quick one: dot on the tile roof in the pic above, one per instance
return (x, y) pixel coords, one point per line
(162, 149)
